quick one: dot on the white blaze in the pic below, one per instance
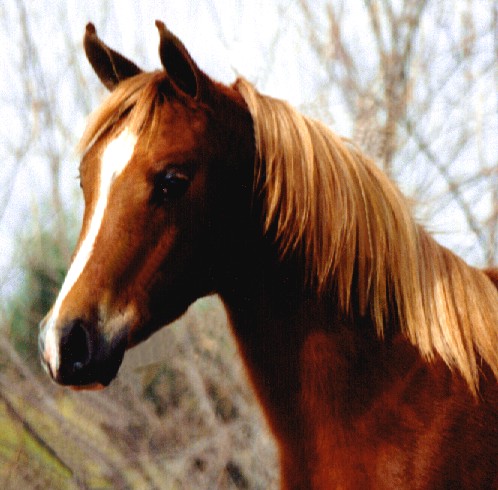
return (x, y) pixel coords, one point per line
(114, 160)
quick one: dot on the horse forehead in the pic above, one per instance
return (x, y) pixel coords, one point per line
(181, 127)
(102, 165)
(108, 156)
(178, 131)
(117, 155)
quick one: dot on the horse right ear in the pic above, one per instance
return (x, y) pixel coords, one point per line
(109, 65)
(178, 64)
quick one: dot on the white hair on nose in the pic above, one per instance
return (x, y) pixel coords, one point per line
(115, 157)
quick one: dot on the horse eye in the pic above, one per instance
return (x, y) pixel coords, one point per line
(170, 185)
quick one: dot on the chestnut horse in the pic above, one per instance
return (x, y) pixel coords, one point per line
(372, 349)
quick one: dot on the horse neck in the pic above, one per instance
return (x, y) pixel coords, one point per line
(295, 344)
(286, 335)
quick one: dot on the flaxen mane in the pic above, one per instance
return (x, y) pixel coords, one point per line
(354, 229)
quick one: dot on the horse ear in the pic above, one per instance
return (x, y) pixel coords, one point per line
(110, 66)
(178, 64)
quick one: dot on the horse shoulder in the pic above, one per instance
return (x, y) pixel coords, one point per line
(419, 429)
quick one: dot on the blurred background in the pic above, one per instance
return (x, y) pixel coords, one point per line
(413, 82)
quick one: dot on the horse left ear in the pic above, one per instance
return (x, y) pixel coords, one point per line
(110, 66)
(178, 64)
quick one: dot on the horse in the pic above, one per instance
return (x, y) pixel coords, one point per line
(372, 349)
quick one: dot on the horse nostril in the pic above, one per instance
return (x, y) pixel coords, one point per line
(75, 347)
(78, 365)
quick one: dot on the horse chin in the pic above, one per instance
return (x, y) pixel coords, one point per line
(140, 333)
(89, 387)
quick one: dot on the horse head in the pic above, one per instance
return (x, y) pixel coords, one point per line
(159, 160)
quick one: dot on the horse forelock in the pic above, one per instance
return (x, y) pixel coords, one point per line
(329, 204)
(135, 99)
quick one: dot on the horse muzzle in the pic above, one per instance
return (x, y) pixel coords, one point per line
(76, 354)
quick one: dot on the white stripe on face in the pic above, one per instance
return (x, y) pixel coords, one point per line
(114, 160)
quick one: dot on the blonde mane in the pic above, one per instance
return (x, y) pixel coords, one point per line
(329, 203)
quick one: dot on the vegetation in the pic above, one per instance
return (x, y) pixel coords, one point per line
(43, 269)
